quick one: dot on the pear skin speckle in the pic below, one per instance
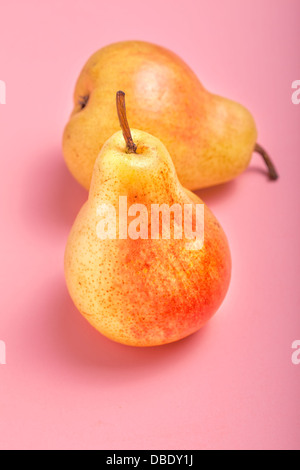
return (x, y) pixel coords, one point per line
(210, 139)
(143, 292)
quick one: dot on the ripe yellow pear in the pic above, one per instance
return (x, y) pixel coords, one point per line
(136, 286)
(210, 138)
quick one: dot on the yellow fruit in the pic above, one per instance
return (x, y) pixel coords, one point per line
(210, 138)
(145, 290)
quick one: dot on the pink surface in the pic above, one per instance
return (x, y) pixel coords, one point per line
(233, 384)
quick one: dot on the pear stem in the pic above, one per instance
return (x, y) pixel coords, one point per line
(121, 109)
(272, 170)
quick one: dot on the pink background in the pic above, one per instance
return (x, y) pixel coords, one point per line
(233, 384)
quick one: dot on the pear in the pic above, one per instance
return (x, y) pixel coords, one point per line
(211, 139)
(132, 283)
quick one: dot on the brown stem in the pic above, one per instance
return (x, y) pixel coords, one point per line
(272, 170)
(121, 108)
